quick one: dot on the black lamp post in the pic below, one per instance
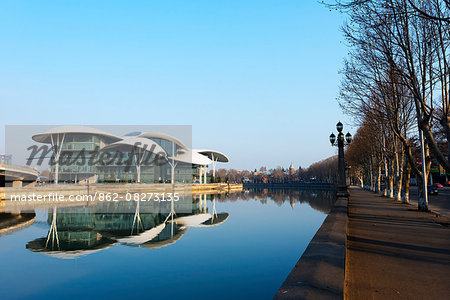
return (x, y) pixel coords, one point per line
(340, 142)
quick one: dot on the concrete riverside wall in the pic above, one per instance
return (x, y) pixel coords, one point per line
(82, 189)
(320, 272)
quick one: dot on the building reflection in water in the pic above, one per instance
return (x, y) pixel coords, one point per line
(78, 231)
(11, 222)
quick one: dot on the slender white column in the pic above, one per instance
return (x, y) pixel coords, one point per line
(172, 165)
(57, 147)
(204, 203)
(138, 167)
(172, 176)
(138, 158)
(53, 232)
(213, 165)
(204, 174)
(214, 212)
(137, 162)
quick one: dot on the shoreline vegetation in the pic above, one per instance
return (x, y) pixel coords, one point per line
(396, 88)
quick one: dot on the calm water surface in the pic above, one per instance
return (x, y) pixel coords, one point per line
(245, 251)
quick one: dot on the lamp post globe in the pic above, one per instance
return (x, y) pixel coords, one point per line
(348, 137)
(332, 139)
(339, 126)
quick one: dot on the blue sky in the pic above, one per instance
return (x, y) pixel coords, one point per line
(256, 79)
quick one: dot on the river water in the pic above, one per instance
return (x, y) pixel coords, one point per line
(241, 245)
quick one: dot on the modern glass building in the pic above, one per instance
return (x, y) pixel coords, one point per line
(73, 148)
(81, 154)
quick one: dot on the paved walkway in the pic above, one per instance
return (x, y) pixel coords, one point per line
(394, 251)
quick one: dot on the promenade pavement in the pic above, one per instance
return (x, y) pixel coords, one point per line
(394, 251)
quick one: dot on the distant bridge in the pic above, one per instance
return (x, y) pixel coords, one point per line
(17, 176)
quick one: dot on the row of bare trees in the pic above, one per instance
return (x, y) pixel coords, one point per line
(396, 84)
(277, 174)
(324, 171)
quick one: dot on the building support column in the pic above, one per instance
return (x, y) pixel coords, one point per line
(204, 203)
(214, 161)
(57, 147)
(204, 174)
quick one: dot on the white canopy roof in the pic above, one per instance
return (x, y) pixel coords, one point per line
(131, 143)
(219, 219)
(214, 155)
(193, 220)
(163, 243)
(45, 137)
(146, 236)
(150, 135)
(192, 157)
(73, 254)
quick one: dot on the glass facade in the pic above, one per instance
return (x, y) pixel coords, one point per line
(81, 160)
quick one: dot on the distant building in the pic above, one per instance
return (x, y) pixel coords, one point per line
(291, 169)
(5, 159)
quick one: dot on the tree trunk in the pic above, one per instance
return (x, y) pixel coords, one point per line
(407, 181)
(379, 180)
(386, 183)
(391, 180)
(422, 204)
(399, 179)
(372, 185)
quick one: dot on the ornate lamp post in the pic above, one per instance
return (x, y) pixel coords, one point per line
(340, 142)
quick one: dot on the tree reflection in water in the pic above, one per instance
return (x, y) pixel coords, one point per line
(320, 200)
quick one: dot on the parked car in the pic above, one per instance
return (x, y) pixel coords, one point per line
(432, 190)
(438, 185)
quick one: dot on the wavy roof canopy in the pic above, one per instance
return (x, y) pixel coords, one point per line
(192, 220)
(65, 251)
(144, 237)
(219, 219)
(150, 135)
(214, 155)
(131, 143)
(192, 157)
(45, 137)
(156, 244)
(198, 157)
